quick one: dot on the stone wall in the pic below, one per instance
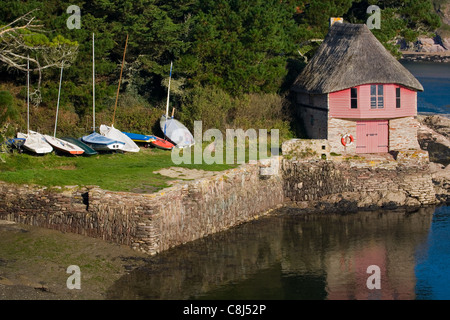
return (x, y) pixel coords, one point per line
(306, 148)
(337, 128)
(88, 211)
(403, 134)
(188, 211)
(335, 186)
(148, 222)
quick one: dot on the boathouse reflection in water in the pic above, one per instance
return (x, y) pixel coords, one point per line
(290, 256)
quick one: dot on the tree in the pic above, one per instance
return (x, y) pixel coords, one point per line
(23, 40)
(241, 46)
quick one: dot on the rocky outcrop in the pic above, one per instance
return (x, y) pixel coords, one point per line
(432, 45)
(430, 48)
(434, 136)
(441, 57)
(441, 179)
(443, 10)
(435, 48)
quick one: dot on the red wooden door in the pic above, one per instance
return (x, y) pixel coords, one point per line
(372, 136)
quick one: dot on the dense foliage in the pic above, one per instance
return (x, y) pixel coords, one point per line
(225, 52)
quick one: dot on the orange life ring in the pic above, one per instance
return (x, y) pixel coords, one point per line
(344, 138)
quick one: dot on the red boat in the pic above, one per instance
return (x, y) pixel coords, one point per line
(162, 144)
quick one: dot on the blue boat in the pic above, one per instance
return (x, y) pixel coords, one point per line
(102, 143)
(136, 137)
(15, 143)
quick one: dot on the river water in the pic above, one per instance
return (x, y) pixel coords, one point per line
(435, 79)
(306, 256)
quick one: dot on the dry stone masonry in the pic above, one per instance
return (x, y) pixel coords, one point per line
(152, 223)
(147, 222)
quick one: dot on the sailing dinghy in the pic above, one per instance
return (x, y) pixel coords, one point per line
(14, 143)
(34, 141)
(176, 132)
(110, 131)
(173, 129)
(102, 143)
(162, 144)
(58, 144)
(114, 134)
(142, 138)
(63, 146)
(96, 140)
(88, 151)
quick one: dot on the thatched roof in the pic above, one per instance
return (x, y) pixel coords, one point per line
(349, 56)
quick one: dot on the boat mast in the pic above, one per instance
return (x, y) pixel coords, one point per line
(93, 83)
(168, 97)
(168, 92)
(28, 95)
(120, 79)
(59, 95)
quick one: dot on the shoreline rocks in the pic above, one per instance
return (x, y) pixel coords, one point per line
(425, 57)
(434, 136)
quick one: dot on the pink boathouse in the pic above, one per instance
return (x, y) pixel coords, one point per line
(356, 95)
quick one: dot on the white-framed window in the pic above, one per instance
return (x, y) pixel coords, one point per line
(376, 96)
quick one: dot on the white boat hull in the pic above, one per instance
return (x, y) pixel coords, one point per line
(35, 142)
(107, 147)
(176, 132)
(113, 133)
(63, 145)
(102, 143)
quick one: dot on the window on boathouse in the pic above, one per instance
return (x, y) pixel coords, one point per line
(397, 98)
(354, 98)
(376, 96)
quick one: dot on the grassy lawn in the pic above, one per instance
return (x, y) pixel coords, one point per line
(115, 172)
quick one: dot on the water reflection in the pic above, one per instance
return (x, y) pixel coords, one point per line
(433, 259)
(299, 257)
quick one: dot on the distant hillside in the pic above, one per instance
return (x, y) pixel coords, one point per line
(442, 8)
(436, 45)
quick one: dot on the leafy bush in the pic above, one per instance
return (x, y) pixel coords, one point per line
(8, 110)
(211, 105)
(219, 110)
(8, 114)
(262, 111)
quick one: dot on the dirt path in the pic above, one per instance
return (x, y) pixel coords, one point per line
(34, 262)
(185, 174)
